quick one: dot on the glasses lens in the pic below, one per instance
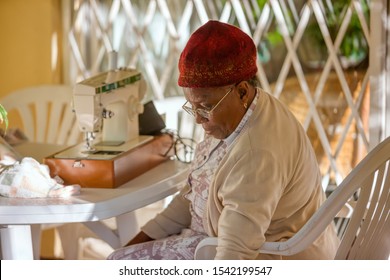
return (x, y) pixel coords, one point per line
(189, 110)
(203, 113)
(184, 149)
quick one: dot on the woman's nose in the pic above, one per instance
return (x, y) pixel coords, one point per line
(199, 119)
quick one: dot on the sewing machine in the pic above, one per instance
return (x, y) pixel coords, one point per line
(107, 108)
(109, 103)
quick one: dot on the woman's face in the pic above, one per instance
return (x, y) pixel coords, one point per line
(224, 116)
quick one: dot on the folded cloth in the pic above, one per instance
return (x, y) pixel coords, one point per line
(28, 178)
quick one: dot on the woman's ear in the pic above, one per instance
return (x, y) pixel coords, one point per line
(242, 89)
(242, 93)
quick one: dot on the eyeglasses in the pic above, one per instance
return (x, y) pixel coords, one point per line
(183, 149)
(204, 113)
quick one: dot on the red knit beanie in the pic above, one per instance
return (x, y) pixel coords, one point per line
(217, 54)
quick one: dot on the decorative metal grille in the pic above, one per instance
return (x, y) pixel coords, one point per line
(312, 55)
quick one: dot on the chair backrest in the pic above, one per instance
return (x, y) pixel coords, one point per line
(45, 112)
(188, 128)
(367, 235)
(177, 119)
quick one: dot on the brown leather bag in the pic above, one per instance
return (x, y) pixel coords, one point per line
(92, 173)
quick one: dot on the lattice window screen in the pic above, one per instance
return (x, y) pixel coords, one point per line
(312, 55)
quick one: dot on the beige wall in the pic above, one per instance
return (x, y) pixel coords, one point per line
(26, 30)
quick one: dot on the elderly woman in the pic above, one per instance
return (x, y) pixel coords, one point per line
(255, 176)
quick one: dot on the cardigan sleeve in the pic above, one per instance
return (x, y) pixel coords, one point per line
(172, 219)
(249, 194)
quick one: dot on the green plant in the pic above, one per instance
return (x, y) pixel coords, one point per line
(354, 46)
(3, 116)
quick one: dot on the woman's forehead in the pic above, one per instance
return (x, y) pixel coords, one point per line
(197, 94)
(201, 94)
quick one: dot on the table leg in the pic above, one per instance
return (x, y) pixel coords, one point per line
(16, 242)
(36, 240)
(127, 227)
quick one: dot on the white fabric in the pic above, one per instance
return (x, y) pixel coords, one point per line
(29, 179)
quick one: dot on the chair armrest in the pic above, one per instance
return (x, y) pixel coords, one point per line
(206, 249)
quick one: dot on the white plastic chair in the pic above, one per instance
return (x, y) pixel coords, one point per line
(367, 235)
(46, 117)
(45, 112)
(177, 119)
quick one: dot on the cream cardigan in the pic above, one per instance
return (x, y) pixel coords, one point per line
(266, 187)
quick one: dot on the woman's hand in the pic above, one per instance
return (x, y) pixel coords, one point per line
(139, 238)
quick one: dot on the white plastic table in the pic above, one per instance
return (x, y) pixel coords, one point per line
(18, 215)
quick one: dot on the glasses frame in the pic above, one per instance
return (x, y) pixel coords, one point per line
(205, 113)
(182, 149)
